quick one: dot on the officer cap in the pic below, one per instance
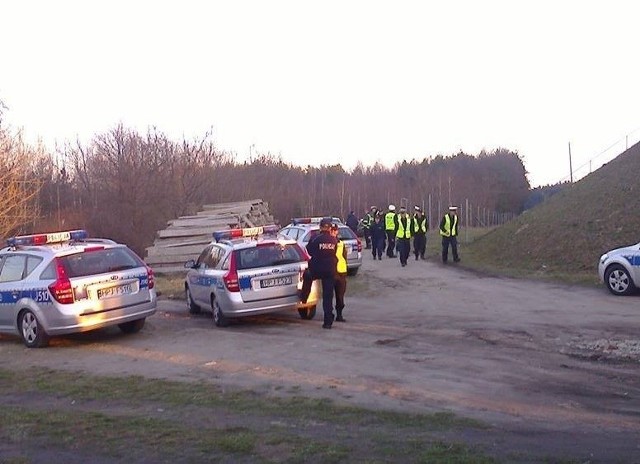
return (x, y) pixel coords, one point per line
(403, 209)
(392, 208)
(374, 208)
(325, 222)
(417, 208)
(453, 208)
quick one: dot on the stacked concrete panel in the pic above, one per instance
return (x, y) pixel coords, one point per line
(185, 237)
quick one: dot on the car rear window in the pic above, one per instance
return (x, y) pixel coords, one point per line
(100, 262)
(344, 233)
(267, 255)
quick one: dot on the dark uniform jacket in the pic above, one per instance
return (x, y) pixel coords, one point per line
(377, 230)
(322, 249)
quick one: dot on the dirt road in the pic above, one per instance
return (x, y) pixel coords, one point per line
(553, 367)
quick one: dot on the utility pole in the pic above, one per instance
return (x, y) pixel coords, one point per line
(570, 166)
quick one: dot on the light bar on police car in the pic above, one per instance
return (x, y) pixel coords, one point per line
(313, 220)
(246, 232)
(47, 239)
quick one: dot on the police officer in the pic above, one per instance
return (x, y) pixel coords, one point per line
(323, 265)
(352, 222)
(377, 236)
(340, 285)
(390, 227)
(420, 228)
(449, 233)
(403, 235)
(367, 220)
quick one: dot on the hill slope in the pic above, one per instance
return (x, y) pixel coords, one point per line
(567, 234)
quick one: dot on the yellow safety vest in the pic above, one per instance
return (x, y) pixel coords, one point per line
(449, 230)
(402, 233)
(418, 226)
(342, 262)
(389, 223)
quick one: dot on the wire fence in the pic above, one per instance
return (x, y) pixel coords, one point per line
(603, 157)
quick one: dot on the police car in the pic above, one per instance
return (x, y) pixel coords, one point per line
(64, 282)
(304, 229)
(244, 272)
(619, 269)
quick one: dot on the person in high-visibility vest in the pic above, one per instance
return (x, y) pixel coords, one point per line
(403, 235)
(341, 274)
(390, 227)
(420, 228)
(449, 233)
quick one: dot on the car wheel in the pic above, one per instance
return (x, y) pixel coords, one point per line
(352, 271)
(219, 319)
(132, 326)
(191, 306)
(307, 313)
(33, 335)
(618, 280)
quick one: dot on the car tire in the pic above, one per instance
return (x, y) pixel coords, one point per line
(219, 319)
(33, 335)
(191, 306)
(132, 326)
(307, 313)
(352, 271)
(618, 280)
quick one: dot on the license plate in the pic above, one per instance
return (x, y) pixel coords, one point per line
(276, 282)
(115, 291)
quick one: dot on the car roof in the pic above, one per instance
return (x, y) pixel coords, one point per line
(248, 242)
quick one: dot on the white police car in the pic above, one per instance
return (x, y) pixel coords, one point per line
(304, 229)
(619, 269)
(244, 273)
(65, 282)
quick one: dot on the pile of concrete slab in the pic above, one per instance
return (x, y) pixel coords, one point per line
(186, 237)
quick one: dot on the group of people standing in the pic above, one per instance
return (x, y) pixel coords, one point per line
(395, 230)
(328, 254)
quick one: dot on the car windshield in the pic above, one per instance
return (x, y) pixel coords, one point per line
(267, 255)
(100, 262)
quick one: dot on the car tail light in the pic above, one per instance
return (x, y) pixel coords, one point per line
(61, 289)
(231, 278)
(359, 245)
(151, 280)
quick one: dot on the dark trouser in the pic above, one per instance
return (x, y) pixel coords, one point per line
(378, 247)
(391, 243)
(419, 245)
(367, 237)
(404, 248)
(445, 248)
(328, 284)
(340, 287)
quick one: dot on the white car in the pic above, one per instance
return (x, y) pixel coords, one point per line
(64, 282)
(619, 269)
(246, 272)
(304, 229)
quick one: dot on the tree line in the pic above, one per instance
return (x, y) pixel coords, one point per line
(126, 185)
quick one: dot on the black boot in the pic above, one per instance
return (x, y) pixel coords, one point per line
(339, 317)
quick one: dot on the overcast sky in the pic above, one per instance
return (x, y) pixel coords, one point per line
(333, 81)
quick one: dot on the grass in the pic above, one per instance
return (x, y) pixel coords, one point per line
(563, 238)
(170, 285)
(169, 421)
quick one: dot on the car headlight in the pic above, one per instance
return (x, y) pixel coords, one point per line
(603, 258)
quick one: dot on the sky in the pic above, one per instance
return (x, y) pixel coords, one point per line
(333, 81)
